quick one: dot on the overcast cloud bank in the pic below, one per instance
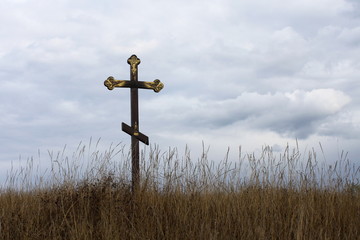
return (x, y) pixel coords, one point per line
(235, 72)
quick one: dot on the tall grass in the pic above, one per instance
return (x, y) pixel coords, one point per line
(88, 196)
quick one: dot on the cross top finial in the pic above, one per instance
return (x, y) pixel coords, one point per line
(134, 61)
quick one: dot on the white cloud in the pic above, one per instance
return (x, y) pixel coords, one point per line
(346, 124)
(323, 101)
(287, 36)
(68, 107)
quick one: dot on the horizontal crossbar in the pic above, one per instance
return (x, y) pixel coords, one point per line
(111, 83)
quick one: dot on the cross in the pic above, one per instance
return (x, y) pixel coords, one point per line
(133, 131)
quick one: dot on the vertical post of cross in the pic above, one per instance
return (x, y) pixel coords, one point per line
(134, 105)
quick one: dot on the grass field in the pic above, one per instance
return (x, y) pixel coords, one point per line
(87, 196)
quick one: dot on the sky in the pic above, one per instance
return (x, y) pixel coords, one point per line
(247, 73)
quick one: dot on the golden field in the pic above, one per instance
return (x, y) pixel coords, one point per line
(88, 196)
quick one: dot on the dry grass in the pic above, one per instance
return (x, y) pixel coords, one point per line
(264, 197)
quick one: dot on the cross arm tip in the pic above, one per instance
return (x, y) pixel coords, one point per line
(109, 83)
(157, 85)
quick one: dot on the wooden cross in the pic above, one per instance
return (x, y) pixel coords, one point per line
(136, 135)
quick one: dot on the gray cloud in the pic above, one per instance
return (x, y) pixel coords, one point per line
(297, 114)
(273, 69)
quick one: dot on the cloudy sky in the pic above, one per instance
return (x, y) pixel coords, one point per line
(236, 72)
